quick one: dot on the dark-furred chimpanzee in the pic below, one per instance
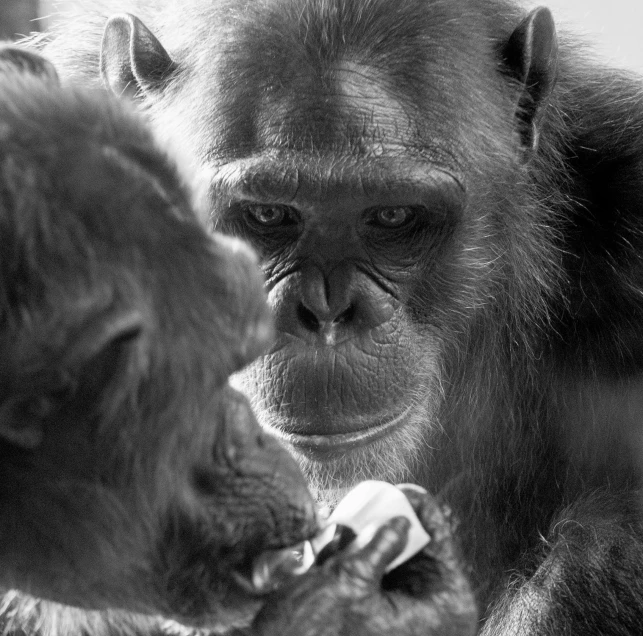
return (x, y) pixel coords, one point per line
(132, 476)
(448, 207)
(123, 455)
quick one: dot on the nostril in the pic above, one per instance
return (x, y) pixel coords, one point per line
(307, 317)
(345, 316)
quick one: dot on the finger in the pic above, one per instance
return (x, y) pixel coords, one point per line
(434, 517)
(424, 504)
(437, 520)
(344, 536)
(368, 563)
(415, 494)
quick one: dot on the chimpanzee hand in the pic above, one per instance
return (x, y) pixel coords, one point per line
(349, 594)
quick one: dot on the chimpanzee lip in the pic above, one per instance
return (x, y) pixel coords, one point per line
(243, 580)
(341, 442)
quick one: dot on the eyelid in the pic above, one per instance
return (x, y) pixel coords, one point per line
(371, 215)
(291, 214)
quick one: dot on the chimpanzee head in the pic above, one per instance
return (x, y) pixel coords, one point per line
(131, 474)
(377, 157)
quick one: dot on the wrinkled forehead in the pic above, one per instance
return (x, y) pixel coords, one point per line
(348, 107)
(323, 81)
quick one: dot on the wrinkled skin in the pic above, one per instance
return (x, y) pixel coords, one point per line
(131, 475)
(446, 201)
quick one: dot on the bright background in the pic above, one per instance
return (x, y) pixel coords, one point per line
(615, 27)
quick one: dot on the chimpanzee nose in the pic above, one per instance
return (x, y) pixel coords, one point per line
(324, 303)
(340, 301)
(323, 320)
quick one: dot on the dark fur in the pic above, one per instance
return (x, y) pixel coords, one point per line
(532, 432)
(125, 458)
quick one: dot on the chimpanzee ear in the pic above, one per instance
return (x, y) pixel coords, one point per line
(99, 334)
(14, 58)
(132, 60)
(532, 57)
(91, 357)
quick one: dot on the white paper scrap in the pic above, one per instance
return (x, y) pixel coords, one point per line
(366, 508)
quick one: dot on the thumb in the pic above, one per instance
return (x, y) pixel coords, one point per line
(368, 563)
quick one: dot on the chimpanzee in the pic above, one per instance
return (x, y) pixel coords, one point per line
(133, 478)
(448, 206)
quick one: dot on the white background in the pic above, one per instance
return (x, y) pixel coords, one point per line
(614, 27)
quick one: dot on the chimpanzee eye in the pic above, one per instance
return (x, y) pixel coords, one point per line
(270, 215)
(392, 217)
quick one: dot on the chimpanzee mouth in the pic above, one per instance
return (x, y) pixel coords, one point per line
(243, 579)
(342, 442)
(270, 569)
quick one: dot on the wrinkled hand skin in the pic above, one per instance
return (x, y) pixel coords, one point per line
(350, 595)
